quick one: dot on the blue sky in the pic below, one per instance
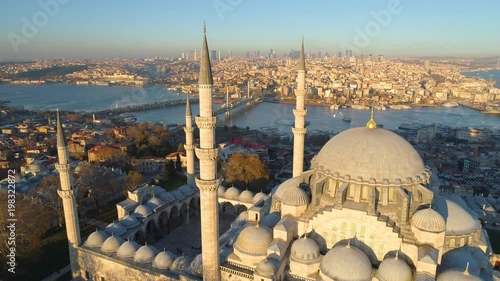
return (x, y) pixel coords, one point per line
(126, 28)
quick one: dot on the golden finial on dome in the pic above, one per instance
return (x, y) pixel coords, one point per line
(371, 124)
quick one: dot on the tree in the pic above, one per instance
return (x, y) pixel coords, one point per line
(168, 172)
(133, 179)
(119, 160)
(180, 148)
(47, 191)
(178, 164)
(245, 169)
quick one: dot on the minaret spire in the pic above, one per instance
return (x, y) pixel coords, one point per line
(208, 180)
(299, 130)
(68, 194)
(371, 124)
(188, 129)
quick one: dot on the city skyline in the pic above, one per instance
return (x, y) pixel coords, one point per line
(71, 29)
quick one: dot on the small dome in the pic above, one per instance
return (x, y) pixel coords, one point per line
(196, 266)
(259, 196)
(115, 228)
(284, 186)
(181, 263)
(96, 239)
(143, 211)
(271, 220)
(166, 197)
(154, 203)
(221, 191)
(246, 196)
(127, 249)
(232, 193)
(304, 249)
(145, 254)
(254, 239)
(178, 195)
(346, 263)
(112, 244)
(295, 196)
(163, 260)
(265, 268)
(129, 221)
(457, 275)
(186, 190)
(394, 269)
(428, 220)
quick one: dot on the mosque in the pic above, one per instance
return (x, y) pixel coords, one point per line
(365, 210)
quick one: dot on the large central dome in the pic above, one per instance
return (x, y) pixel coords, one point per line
(364, 154)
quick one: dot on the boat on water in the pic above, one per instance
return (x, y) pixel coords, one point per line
(360, 107)
(346, 119)
(450, 104)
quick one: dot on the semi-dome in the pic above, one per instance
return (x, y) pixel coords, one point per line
(266, 268)
(246, 196)
(259, 196)
(143, 211)
(346, 263)
(428, 220)
(394, 269)
(129, 221)
(112, 244)
(304, 249)
(295, 196)
(458, 221)
(154, 203)
(163, 260)
(232, 193)
(370, 154)
(115, 228)
(457, 275)
(284, 186)
(186, 190)
(254, 239)
(167, 197)
(221, 191)
(96, 239)
(127, 249)
(145, 254)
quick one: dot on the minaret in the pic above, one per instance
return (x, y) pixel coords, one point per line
(68, 195)
(208, 180)
(188, 129)
(299, 131)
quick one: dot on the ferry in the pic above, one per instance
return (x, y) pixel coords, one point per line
(346, 119)
(450, 104)
(399, 107)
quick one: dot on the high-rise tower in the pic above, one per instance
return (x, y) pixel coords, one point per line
(68, 195)
(208, 181)
(188, 129)
(299, 130)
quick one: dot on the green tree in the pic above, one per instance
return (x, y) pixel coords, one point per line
(178, 164)
(47, 192)
(168, 172)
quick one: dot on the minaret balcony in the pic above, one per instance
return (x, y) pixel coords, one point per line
(299, 112)
(207, 153)
(208, 185)
(299, 131)
(206, 122)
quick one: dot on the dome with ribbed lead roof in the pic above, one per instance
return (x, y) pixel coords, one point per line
(163, 260)
(246, 196)
(145, 254)
(394, 269)
(304, 250)
(428, 220)
(345, 263)
(112, 244)
(254, 240)
(127, 249)
(96, 239)
(266, 268)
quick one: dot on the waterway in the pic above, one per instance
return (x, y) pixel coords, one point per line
(279, 117)
(492, 75)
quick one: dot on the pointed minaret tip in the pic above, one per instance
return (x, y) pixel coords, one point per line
(302, 58)
(371, 124)
(205, 67)
(61, 141)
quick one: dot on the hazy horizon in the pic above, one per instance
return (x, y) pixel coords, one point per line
(69, 29)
